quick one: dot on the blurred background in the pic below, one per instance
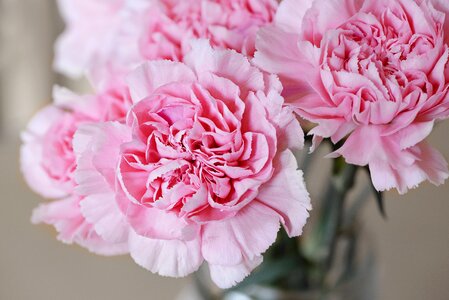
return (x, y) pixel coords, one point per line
(412, 244)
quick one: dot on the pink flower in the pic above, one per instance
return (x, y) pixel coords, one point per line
(374, 72)
(47, 157)
(48, 162)
(101, 36)
(110, 37)
(202, 170)
(227, 24)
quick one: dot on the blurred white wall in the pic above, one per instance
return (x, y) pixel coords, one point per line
(27, 31)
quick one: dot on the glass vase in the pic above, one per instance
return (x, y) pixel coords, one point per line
(355, 280)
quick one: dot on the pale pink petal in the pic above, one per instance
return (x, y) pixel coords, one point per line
(432, 163)
(290, 14)
(443, 6)
(413, 134)
(88, 179)
(390, 173)
(290, 133)
(219, 244)
(391, 165)
(387, 175)
(227, 276)
(286, 194)
(93, 35)
(243, 237)
(224, 63)
(356, 151)
(97, 147)
(174, 258)
(155, 223)
(278, 52)
(31, 155)
(325, 15)
(144, 80)
(103, 213)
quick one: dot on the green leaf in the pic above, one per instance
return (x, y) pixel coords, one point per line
(379, 197)
(380, 202)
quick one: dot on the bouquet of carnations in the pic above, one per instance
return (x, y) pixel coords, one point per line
(185, 153)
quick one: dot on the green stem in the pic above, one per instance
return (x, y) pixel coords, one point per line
(346, 182)
(320, 245)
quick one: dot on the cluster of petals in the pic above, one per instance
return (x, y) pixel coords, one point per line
(48, 160)
(201, 170)
(372, 74)
(111, 37)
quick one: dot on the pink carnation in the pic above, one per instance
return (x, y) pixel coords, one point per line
(201, 171)
(48, 162)
(47, 157)
(374, 72)
(227, 24)
(112, 36)
(101, 36)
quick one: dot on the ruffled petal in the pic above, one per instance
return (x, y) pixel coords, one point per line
(278, 52)
(31, 155)
(391, 165)
(103, 213)
(97, 147)
(149, 76)
(290, 14)
(174, 258)
(224, 63)
(228, 276)
(432, 163)
(326, 15)
(155, 223)
(243, 237)
(286, 194)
